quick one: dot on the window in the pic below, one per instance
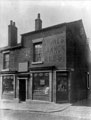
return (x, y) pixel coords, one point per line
(41, 82)
(8, 84)
(6, 61)
(37, 52)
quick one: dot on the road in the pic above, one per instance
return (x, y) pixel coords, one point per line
(27, 115)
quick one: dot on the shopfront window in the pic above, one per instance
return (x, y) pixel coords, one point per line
(8, 84)
(41, 82)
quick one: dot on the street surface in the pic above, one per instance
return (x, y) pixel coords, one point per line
(27, 115)
(36, 110)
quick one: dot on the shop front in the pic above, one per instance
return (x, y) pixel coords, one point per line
(22, 82)
(22, 86)
(50, 85)
(61, 86)
(8, 86)
(41, 86)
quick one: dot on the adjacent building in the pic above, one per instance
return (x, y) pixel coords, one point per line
(49, 64)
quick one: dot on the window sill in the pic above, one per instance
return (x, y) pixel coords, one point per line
(5, 69)
(40, 62)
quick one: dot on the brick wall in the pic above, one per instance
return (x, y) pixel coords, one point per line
(77, 59)
(54, 47)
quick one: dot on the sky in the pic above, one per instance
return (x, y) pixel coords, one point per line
(24, 13)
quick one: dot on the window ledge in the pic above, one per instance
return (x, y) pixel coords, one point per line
(5, 69)
(40, 62)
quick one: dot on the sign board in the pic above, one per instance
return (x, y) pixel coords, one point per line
(23, 67)
(42, 82)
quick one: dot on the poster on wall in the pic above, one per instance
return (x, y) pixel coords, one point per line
(42, 82)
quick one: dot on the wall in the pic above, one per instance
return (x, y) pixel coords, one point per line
(77, 47)
(54, 47)
(77, 59)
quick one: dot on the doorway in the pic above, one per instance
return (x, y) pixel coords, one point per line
(22, 89)
(61, 86)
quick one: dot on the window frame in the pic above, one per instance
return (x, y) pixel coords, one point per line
(12, 80)
(5, 61)
(37, 53)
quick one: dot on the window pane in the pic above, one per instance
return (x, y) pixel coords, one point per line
(40, 81)
(6, 61)
(38, 52)
(8, 83)
(6, 57)
(6, 64)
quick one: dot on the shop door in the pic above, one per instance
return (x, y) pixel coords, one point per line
(61, 87)
(22, 89)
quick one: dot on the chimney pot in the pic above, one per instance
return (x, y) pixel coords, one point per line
(38, 23)
(38, 15)
(11, 22)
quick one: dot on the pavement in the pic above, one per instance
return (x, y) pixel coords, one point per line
(80, 109)
(33, 106)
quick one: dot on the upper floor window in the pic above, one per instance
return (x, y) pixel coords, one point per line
(38, 52)
(6, 61)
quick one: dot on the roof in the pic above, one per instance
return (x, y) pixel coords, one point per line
(10, 47)
(37, 31)
(49, 28)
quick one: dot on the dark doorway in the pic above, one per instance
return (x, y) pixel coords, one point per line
(61, 87)
(22, 89)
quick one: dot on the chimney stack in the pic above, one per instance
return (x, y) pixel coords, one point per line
(12, 34)
(38, 23)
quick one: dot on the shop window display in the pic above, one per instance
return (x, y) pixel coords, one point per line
(41, 83)
(61, 86)
(8, 84)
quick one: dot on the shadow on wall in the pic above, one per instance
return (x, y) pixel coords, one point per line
(85, 102)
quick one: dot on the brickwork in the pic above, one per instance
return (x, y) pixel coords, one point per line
(54, 47)
(12, 34)
(77, 60)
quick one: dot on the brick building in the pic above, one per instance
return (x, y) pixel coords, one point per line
(49, 64)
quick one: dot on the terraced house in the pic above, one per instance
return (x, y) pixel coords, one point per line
(50, 64)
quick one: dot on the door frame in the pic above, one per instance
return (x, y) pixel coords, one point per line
(63, 71)
(26, 82)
